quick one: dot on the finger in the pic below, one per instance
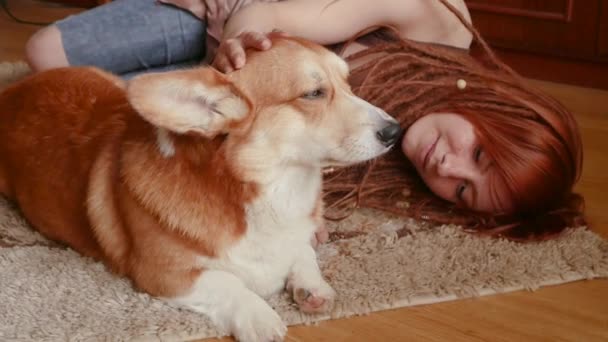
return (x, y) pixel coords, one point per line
(211, 8)
(221, 63)
(237, 57)
(256, 40)
(235, 52)
(221, 7)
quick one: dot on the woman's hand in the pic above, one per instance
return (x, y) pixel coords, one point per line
(210, 9)
(196, 7)
(231, 52)
(216, 9)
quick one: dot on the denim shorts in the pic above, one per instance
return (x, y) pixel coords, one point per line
(127, 37)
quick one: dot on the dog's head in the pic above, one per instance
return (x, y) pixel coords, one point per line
(290, 105)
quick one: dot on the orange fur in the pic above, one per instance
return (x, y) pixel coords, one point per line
(63, 147)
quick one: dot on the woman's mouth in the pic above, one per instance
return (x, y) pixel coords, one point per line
(429, 153)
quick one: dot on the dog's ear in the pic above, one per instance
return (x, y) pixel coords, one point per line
(199, 100)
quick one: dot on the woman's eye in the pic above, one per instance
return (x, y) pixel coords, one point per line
(460, 190)
(477, 154)
(315, 94)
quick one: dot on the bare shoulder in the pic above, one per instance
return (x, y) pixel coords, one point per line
(430, 21)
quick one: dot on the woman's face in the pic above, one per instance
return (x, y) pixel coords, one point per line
(446, 152)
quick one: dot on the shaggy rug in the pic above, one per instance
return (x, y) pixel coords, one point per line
(373, 260)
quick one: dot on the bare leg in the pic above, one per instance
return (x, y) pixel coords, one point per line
(44, 50)
(122, 37)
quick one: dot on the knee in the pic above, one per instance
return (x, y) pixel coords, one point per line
(44, 50)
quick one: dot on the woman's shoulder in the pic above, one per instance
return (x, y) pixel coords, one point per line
(439, 22)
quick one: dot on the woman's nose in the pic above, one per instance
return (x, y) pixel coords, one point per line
(454, 166)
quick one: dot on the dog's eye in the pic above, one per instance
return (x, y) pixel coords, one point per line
(315, 94)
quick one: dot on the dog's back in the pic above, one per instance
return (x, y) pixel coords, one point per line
(53, 125)
(87, 170)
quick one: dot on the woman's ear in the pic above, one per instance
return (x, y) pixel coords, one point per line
(199, 100)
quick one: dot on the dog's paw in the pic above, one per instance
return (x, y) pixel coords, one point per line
(314, 299)
(256, 321)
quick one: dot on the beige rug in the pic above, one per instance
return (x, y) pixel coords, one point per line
(374, 261)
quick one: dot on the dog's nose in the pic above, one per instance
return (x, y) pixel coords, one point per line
(389, 134)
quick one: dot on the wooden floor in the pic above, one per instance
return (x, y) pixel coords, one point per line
(571, 312)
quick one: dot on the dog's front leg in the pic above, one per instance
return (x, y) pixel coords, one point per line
(309, 290)
(321, 234)
(233, 307)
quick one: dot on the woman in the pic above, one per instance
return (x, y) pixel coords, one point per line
(132, 36)
(501, 157)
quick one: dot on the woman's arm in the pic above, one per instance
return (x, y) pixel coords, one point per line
(334, 21)
(322, 21)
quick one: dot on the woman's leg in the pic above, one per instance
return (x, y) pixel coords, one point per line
(44, 50)
(123, 36)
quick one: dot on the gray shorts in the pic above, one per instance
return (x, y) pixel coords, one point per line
(127, 37)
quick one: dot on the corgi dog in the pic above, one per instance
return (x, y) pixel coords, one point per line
(202, 188)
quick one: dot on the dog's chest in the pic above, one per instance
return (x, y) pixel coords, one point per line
(279, 226)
